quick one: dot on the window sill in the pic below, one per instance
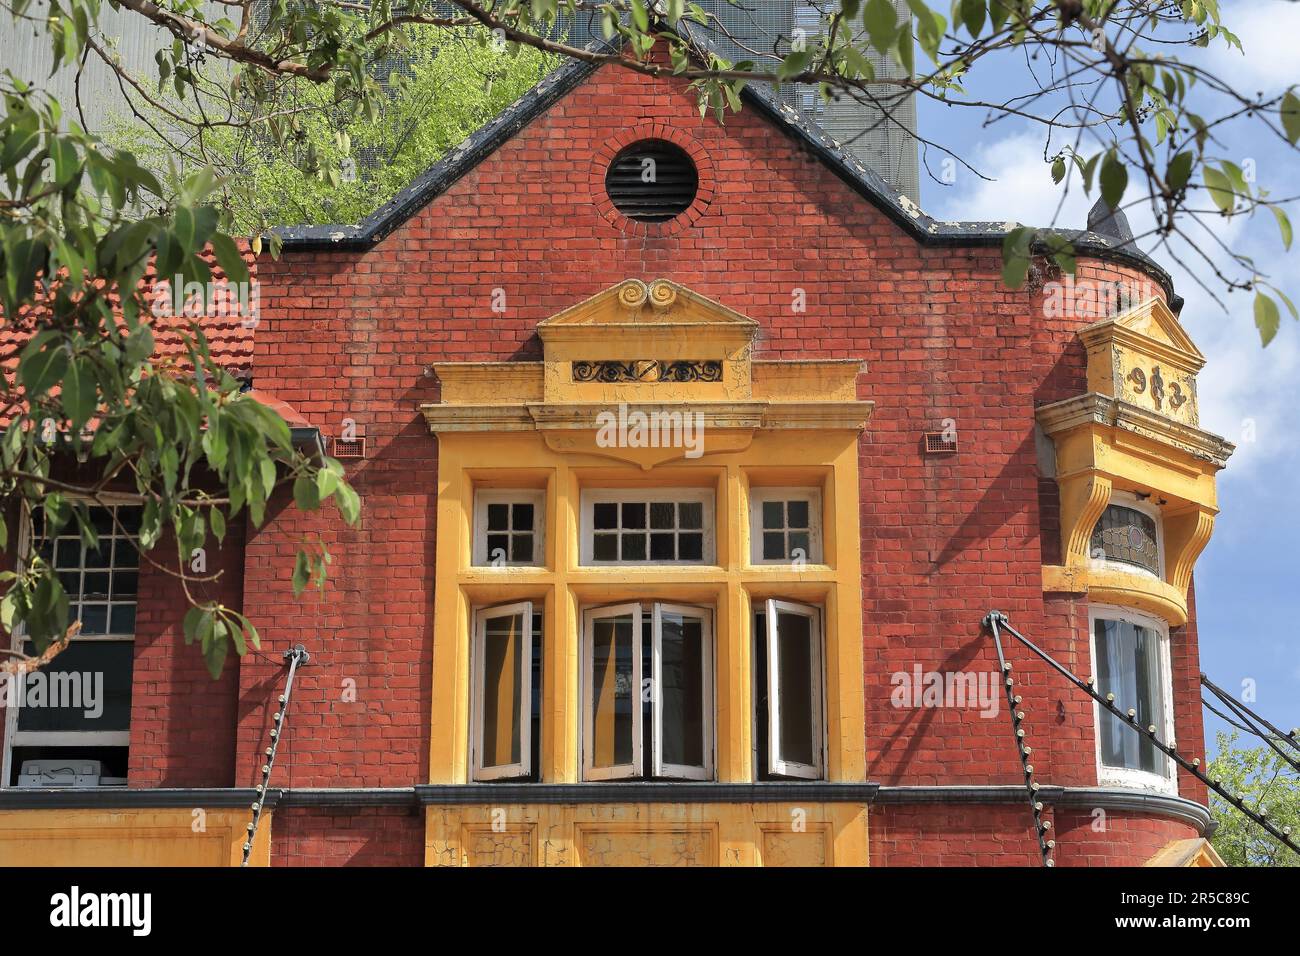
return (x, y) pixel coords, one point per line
(641, 792)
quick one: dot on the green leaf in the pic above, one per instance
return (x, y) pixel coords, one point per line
(639, 15)
(228, 257)
(306, 493)
(1180, 170)
(1219, 188)
(794, 64)
(80, 392)
(880, 19)
(1267, 317)
(349, 504)
(1283, 225)
(301, 573)
(1291, 116)
(43, 363)
(1015, 256)
(1058, 169)
(972, 15)
(1114, 180)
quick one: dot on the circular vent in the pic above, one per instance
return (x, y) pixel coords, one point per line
(652, 181)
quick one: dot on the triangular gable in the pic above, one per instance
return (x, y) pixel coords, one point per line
(1153, 322)
(902, 209)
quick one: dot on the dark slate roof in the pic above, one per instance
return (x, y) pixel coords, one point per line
(862, 179)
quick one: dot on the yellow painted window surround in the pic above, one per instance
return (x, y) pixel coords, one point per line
(768, 431)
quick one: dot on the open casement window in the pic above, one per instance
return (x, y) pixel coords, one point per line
(648, 692)
(72, 723)
(785, 525)
(788, 664)
(1131, 660)
(637, 527)
(507, 694)
(508, 528)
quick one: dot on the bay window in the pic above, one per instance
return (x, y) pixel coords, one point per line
(1131, 661)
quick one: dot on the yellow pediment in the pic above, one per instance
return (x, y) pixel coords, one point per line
(635, 340)
(1145, 358)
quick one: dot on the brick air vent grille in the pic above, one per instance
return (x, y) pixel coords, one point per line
(936, 444)
(356, 448)
(652, 181)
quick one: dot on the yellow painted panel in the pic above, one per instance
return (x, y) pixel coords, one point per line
(600, 834)
(160, 837)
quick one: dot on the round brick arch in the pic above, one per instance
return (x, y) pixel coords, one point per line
(633, 134)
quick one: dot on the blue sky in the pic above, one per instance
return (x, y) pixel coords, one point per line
(1248, 591)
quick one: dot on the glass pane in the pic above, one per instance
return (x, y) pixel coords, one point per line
(797, 513)
(502, 689)
(95, 585)
(606, 515)
(125, 554)
(690, 514)
(1126, 535)
(67, 553)
(661, 547)
(634, 514)
(633, 547)
(86, 687)
(498, 517)
(682, 693)
(522, 517)
(605, 547)
(94, 619)
(611, 691)
(799, 544)
(773, 514)
(521, 549)
(661, 514)
(101, 557)
(794, 667)
(773, 546)
(123, 619)
(129, 519)
(125, 584)
(101, 519)
(690, 547)
(498, 547)
(1128, 666)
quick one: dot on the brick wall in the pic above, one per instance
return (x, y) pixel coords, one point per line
(346, 335)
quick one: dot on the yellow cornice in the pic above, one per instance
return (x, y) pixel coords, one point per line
(715, 416)
(1093, 410)
(1129, 329)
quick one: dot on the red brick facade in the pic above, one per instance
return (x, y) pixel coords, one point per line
(348, 335)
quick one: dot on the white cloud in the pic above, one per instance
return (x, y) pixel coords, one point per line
(1267, 30)
(1244, 389)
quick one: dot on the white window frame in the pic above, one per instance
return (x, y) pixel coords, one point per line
(636, 768)
(593, 496)
(759, 496)
(525, 716)
(683, 771)
(1124, 776)
(13, 737)
(511, 496)
(776, 765)
(619, 771)
(1127, 499)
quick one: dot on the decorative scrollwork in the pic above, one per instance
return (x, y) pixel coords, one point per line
(648, 371)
